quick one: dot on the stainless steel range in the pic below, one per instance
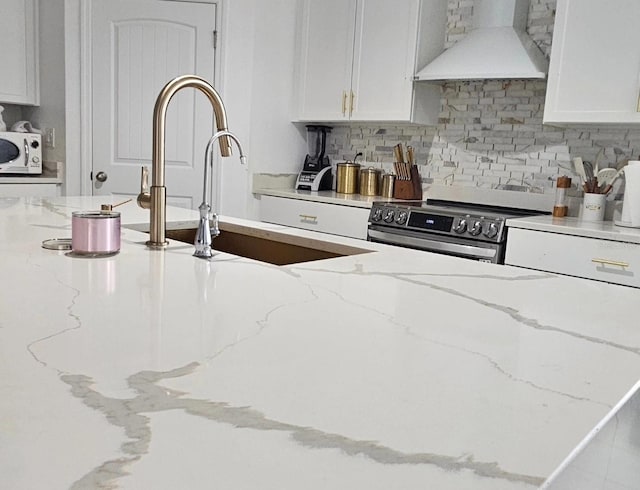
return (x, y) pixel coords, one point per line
(466, 230)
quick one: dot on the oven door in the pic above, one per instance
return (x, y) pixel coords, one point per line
(432, 242)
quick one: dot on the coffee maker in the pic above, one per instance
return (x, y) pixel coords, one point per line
(316, 171)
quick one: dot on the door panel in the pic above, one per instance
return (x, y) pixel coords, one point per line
(384, 59)
(138, 46)
(326, 57)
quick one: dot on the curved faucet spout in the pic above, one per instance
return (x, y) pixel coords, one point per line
(157, 199)
(208, 230)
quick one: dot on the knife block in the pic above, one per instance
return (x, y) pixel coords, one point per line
(408, 189)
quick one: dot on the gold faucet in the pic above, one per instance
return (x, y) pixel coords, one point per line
(156, 200)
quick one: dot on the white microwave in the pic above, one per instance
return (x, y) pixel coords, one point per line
(20, 153)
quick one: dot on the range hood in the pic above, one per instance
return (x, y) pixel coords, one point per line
(497, 48)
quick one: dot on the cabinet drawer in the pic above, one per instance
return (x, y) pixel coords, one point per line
(602, 260)
(327, 218)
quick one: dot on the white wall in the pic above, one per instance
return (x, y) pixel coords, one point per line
(258, 46)
(51, 111)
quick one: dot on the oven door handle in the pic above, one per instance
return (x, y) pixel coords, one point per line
(426, 244)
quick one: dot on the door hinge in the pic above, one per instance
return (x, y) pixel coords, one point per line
(215, 39)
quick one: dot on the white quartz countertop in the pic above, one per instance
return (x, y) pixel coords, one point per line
(327, 197)
(391, 369)
(604, 230)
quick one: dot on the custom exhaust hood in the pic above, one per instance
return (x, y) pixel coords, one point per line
(497, 48)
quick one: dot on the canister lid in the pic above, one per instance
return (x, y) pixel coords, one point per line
(369, 170)
(349, 164)
(96, 214)
(57, 244)
(563, 182)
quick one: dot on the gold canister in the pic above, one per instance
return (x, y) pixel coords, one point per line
(369, 181)
(347, 177)
(387, 185)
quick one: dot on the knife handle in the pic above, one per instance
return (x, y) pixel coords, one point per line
(410, 155)
(399, 153)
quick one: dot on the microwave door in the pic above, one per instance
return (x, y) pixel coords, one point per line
(9, 151)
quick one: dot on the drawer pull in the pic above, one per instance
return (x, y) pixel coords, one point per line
(308, 218)
(610, 262)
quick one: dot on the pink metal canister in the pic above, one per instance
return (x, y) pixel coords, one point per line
(95, 232)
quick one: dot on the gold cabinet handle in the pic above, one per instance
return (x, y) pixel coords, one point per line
(638, 106)
(610, 262)
(344, 102)
(308, 218)
(353, 98)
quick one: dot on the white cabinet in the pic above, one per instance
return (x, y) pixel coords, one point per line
(594, 73)
(19, 79)
(590, 258)
(357, 60)
(327, 218)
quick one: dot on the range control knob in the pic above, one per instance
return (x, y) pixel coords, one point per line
(376, 215)
(401, 219)
(491, 230)
(461, 227)
(476, 228)
(388, 216)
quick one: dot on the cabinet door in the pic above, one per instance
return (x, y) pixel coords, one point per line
(18, 55)
(595, 63)
(326, 54)
(384, 59)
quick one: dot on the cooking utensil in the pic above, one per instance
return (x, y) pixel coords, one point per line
(588, 170)
(622, 163)
(596, 163)
(608, 186)
(579, 166)
(606, 176)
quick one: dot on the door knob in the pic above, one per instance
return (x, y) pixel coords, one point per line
(101, 176)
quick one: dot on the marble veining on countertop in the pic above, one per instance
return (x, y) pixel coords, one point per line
(389, 369)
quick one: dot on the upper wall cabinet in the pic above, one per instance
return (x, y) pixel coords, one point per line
(595, 63)
(19, 82)
(357, 60)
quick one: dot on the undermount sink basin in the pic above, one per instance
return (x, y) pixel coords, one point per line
(268, 246)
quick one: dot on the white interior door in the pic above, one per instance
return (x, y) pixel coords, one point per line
(137, 47)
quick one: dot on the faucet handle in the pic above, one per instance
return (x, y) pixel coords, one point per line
(144, 198)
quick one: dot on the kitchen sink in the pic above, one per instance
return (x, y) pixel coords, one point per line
(268, 246)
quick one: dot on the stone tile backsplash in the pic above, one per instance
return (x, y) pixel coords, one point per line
(490, 133)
